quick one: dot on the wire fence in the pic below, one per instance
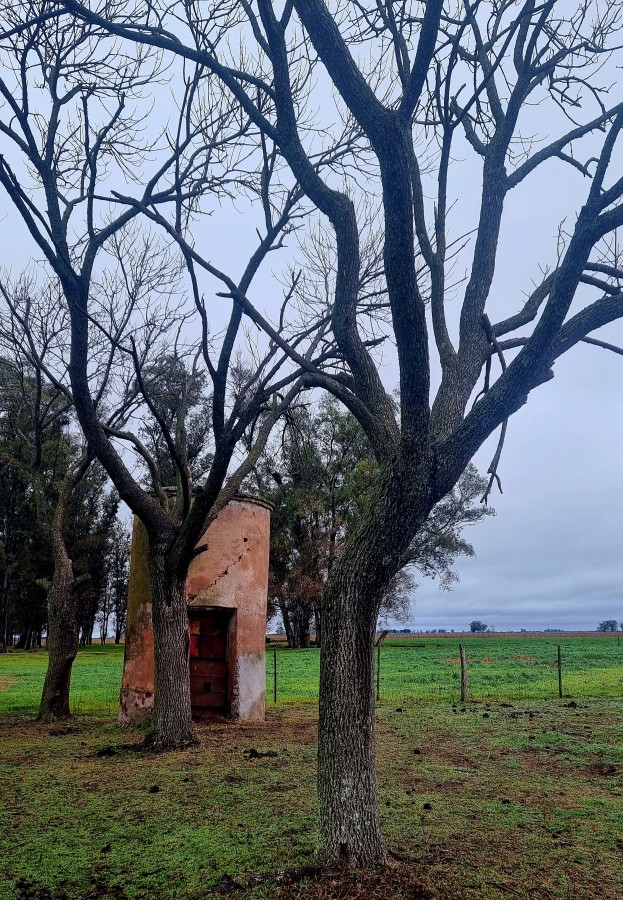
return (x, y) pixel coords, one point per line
(427, 670)
(503, 669)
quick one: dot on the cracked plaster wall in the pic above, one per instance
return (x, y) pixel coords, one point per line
(231, 573)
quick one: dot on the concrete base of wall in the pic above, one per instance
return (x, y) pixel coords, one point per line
(134, 706)
(250, 704)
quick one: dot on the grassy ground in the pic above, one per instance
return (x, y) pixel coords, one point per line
(500, 668)
(482, 801)
(508, 796)
(95, 680)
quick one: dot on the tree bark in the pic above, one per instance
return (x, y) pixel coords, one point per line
(172, 725)
(317, 625)
(349, 822)
(287, 623)
(4, 606)
(63, 627)
(350, 829)
(63, 637)
(302, 629)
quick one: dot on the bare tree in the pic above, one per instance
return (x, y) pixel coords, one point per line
(417, 86)
(421, 82)
(65, 151)
(34, 326)
(317, 473)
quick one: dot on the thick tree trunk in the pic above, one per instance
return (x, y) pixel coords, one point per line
(349, 822)
(301, 629)
(172, 725)
(63, 602)
(63, 627)
(63, 638)
(350, 830)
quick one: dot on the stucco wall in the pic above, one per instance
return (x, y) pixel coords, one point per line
(233, 573)
(137, 687)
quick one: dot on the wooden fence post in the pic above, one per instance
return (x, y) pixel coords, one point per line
(559, 674)
(379, 642)
(463, 673)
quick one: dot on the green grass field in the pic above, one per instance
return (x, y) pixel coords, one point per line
(483, 802)
(513, 795)
(422, 668)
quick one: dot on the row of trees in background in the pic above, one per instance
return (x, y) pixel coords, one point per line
(609, 625)
(37, 450)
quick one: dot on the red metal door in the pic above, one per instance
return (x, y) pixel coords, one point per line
(209, 672)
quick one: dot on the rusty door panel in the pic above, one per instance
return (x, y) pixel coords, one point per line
(220, 646)
(206, 647)
(209, 668)
(209, 672)
(206, 687)
(211, 624)
(208, 706)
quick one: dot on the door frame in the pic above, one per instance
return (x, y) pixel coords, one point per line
(229, 615)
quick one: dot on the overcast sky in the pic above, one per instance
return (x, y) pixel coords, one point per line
(552, 555)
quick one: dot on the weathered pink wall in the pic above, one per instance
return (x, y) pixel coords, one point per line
(231, 573)
(137, 686)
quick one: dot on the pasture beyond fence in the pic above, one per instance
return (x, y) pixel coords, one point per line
(418, 668)
(428, 668)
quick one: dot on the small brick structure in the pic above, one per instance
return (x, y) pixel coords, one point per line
(227, 589)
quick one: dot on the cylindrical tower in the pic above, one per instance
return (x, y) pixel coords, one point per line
(227, 589)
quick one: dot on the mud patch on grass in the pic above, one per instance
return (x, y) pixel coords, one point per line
(6, 682)
(606, 770)
(395, 881)
(543, 760)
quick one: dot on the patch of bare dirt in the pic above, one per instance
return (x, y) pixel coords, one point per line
(543, 760)
(395, 881)
(279, 725)
(7, 681)
(606, 770)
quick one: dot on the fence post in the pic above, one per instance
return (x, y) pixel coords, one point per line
(379, 641)
(463, 673)
(559, 674)
(275, 675)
